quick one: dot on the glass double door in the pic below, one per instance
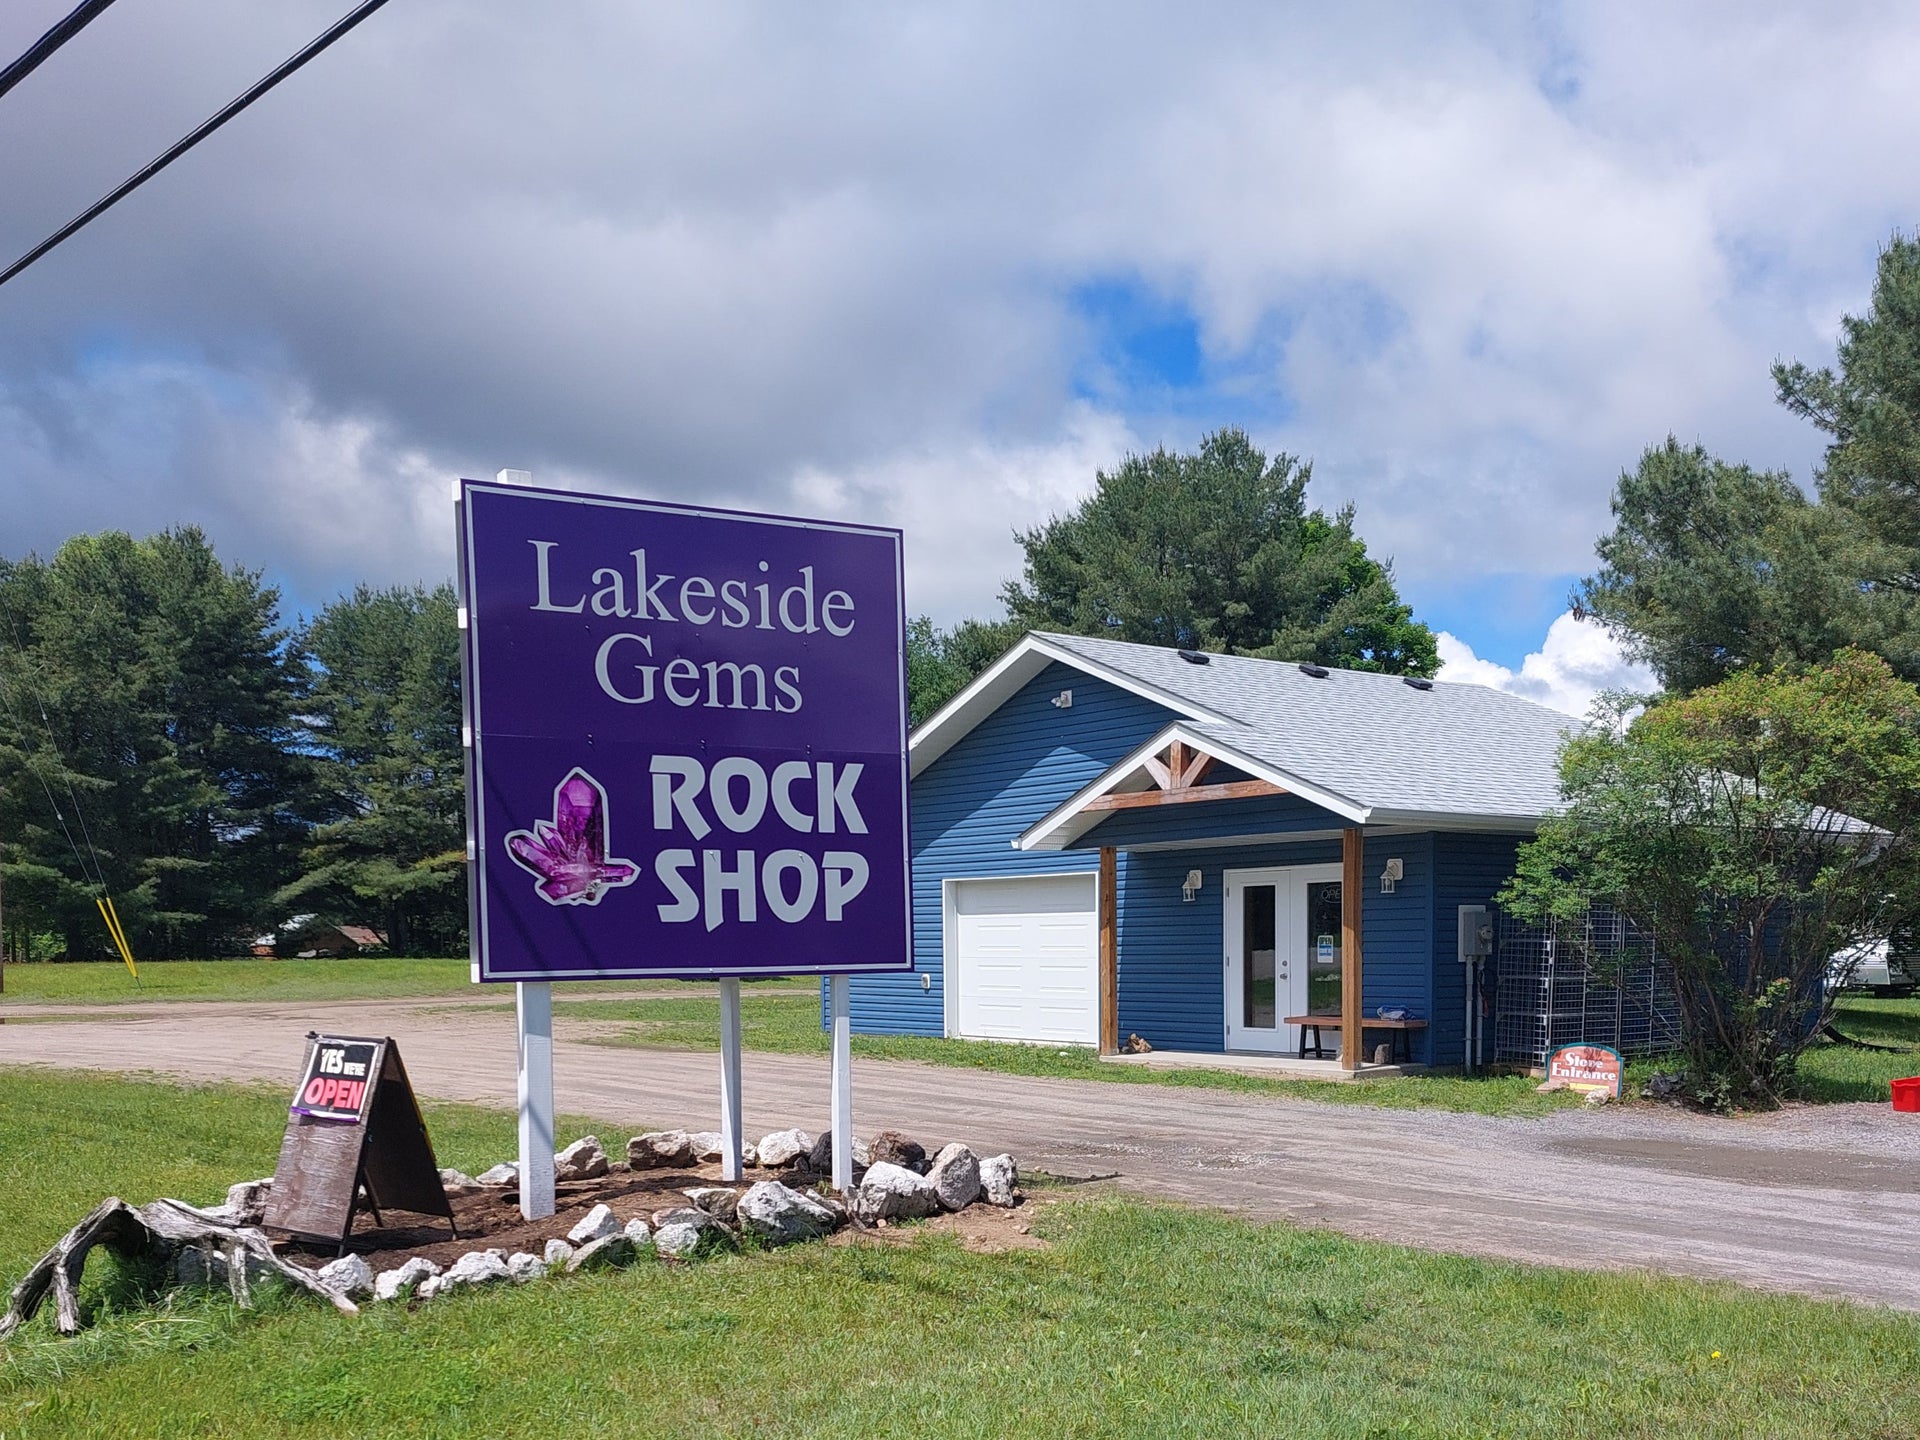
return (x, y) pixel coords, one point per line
(1282, 955)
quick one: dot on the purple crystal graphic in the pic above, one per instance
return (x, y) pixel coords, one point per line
(569, 852)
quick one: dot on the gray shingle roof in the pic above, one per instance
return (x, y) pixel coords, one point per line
(1455, 750)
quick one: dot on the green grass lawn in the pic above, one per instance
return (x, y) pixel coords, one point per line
(1138, 1321)
(1831, 1073)
(356, 978)
(791, 1024)
(93, 983)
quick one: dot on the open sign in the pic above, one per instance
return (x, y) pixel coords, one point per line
(335, 1086)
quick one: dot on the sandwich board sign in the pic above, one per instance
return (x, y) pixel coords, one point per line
(688, 740)
(686, 756)
(354, 1129)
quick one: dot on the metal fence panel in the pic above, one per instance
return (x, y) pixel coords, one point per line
(1598, 982)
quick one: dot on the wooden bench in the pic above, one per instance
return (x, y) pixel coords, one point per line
(1402, 1045)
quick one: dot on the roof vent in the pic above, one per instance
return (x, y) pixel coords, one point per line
(1318, 672)
(1416, 682)
(1193, 657)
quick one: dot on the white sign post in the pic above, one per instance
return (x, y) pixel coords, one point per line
(840, 1018)
(535, 1010)
(730, 1123)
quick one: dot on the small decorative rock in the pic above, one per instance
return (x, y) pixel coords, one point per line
(1598, 1098)
(558, 1251)
(247, 1201)
(998, 1178)
(893, 1192)
(890, 1147)
(506, 1173)
(597, 1224)
(454, 1181)
(392, 1284)
(660, 1150)
(717, 1200)
(955, 1177)
(1664, 1087)
(683, 1215)
(522, 1267)
(783, 1147)
(781, 1216)
(681, 1239)
(582, 1160)
(608, 1250)
(350, 1276)
(476, 1267)
(862, 1152)
(636, 1231)
(820, 1157)
(707, 1145)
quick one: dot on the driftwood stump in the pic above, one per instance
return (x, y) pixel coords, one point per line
(160, 1231)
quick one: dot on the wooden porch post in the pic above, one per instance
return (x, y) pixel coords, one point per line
(1352, 864)
(1109, 951)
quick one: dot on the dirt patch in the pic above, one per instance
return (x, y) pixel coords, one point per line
(490, 1219)
(987, 1229)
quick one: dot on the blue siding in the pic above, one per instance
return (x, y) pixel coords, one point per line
(973, 802)
(1173, 954)
(1468, 869)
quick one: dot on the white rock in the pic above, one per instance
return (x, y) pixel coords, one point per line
(597, 1224)
(780, 1215)
(955, 1175)
(998, 1178)
(523, 1267)
(893, 1192)
(614, 1249)
(350, 1276)
(505, 1173)
(582, 1160)
(636, 1230)
(1599, 1097)
(783, 1147)
(680, 1238)
(660, 1150)
(391, 1284)
(476, 1267)
(453, 1181)
(862, 1152)
(558, 1251)
(707, 1145)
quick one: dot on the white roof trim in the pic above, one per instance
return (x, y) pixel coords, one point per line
(1072, 820)
(995, 685)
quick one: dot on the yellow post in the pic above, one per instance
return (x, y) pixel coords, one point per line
(112, 916)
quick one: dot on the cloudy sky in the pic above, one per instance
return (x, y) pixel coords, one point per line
(936, 266)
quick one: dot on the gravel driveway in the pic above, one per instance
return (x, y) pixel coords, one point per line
(1821, 1200)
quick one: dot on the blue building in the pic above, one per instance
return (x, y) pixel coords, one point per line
(1114, 839)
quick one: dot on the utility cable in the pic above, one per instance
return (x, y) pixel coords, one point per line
(135, 181)
(38, 52)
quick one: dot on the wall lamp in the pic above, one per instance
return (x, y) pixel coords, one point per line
(1191, 887)
(1395, 872)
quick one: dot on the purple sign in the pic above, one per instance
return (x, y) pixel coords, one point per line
(688, 740)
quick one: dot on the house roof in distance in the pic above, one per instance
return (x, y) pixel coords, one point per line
(1374, 748)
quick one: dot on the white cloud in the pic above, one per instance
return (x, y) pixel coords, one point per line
(1468, 259)
(1575, 662)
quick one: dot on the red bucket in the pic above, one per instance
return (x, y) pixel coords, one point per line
(1906, 1094)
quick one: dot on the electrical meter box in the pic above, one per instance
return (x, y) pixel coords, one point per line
(1476, 932)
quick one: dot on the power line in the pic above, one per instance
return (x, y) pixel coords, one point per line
(135, 181)
(38, 52)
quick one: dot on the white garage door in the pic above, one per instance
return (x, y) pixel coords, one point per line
(1029, 956)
